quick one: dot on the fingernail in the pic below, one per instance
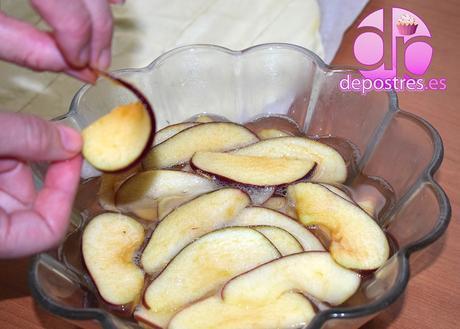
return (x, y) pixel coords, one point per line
(103, 62)
(70, 139)
(85, 75)
(83, 56)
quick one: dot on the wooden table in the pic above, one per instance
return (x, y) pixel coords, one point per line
(432, 298)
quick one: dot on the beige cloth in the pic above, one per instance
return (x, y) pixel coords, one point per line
(144, 29)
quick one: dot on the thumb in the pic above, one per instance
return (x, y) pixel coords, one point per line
(27, 137)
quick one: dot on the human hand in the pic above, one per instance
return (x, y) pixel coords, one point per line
(32, 221)
(80, 39)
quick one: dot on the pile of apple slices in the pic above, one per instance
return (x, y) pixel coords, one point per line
(220, 227)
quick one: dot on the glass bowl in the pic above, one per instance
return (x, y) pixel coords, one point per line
(276, 79)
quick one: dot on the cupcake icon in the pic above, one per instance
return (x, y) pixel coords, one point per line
(406, 24)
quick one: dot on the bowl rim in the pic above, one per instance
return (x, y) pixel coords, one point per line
(402, 255)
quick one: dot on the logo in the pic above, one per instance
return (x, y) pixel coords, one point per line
(404, 32)
(394, 50)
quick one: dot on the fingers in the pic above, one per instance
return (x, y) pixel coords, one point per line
(27, 137)
(28, 46)
(101, 41)
(54, 201)
(81, 38)
(82, 29)
(87, 75)
(35, 49)
(71, 24)
(30, 231)
(17, 188)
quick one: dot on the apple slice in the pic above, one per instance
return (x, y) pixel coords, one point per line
(331, 167)
(205, 119)
(109, 185)
(148, 213)
(140, 193)
(190, 221)
(109, 242)
(201, 268)
(338, 191)
(280, 204)
(171, 130)
(366, 205)
(119, 139)
(258, 194)
(213, 136)
(271, 133)
(314, 273)
(254, 216)
(284, 241)
(291, 310)
(252, 170)
(168, 204)
(357, 241)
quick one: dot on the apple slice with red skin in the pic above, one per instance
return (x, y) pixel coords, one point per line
(314, 273)
(291, 310)
(366, 205)
(171, 130)
(119, 139)
(331, 167)
(141, 193)
(280, 204)
(357, 241)
(109, 185)
(188, 222)
(109, 242)
(284, 241)
(213, 136)
(254, 216)
(252, 170)
(258, 194)
(201, 268)
(168, 204)
(203, 118)
(271, 133)
(338, 191)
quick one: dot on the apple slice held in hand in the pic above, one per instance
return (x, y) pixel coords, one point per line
(331, 167)
(193, 219)
(314, 273)
(256, 216)
(144, 190)
(291, 310)
(201, 268)
(109, 242)
(252, 170)
(120, 138)
(357, 241)
(213, 136)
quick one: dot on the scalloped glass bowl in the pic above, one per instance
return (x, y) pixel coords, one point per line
(275, 79)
